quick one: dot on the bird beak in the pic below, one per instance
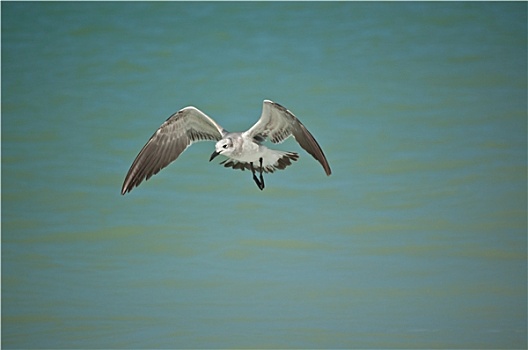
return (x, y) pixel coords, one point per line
(213, 156)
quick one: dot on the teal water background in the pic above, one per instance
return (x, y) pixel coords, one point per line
(417, 240)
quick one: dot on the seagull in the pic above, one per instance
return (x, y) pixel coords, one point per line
(244, 150)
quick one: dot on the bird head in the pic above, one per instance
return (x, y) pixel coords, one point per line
(224, 146)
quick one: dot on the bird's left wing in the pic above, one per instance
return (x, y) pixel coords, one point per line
(277, 123)
(172, 138)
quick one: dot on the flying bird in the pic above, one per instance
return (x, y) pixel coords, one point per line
(244, 150)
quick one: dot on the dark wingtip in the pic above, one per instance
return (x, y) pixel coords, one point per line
(327, 170)
(127, 187)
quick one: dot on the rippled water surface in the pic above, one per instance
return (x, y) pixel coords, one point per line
(417, 240)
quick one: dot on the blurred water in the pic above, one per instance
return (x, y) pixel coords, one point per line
(417, 240)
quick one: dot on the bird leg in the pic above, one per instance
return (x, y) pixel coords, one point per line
(261, 177)
(260, 183)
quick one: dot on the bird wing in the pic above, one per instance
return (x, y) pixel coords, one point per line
(180, 130)
(277, 123)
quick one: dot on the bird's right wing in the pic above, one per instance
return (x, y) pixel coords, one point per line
(180, 130)
(277, 123)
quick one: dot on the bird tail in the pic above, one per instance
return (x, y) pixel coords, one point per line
(273, 160)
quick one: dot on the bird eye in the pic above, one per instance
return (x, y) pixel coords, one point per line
(224, 146)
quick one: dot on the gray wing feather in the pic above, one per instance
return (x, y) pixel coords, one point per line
(277, 123)
(177, 133)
